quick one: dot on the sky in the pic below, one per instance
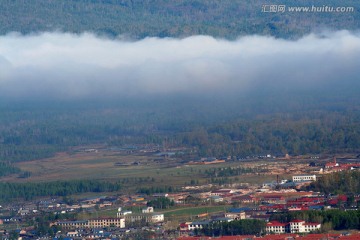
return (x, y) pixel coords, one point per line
(66, 66)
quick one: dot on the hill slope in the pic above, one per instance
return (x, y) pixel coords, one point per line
(176, 18)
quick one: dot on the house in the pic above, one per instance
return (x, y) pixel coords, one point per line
(106, 222)
(332, 164)
(235, 215)
(300, 226)
(243, 199)
(93, 223)
(295, 226)
(216, 199)
(24, 212)
(274, 199)
(145, 217)
(73, 234)
(157, 217)
(72, 224)
(276, 227)
(303, 178)
(160, 195)
(184, 226)
(147, 210)
(221, 192)
(197, 225)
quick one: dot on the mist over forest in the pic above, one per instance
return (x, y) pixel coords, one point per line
(201, 79)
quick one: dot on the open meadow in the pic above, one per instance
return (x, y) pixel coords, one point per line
(144, 170)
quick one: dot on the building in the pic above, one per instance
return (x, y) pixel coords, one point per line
(244, 199)
(276, 227)
(332, 164)
(197, 225)
(93, 223)
(145, 217)
(235, 215)
(300, 226)
(157, 217)
(216, 199)
(303, 178)
(148, 210)
(222, 192)
(72, 224)
(106, 222)
(295, 226)
(123, 213)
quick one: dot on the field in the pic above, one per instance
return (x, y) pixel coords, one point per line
(137, 169)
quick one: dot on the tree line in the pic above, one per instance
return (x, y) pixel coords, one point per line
(330, 219)
(161, 203)
(237, 227)
(28, 191)
(229, 171)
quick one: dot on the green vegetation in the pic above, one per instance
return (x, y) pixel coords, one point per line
(330, 219)
(229, 171)
(237, 227)
(32, 132)
(43, 223)
(7, 169)
(161, 203)
(341, 182)
(177, 18)
(152, 190)
(28, 191)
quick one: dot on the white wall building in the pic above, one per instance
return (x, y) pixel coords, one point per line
(295, 226)
(303, 178)
(300, 226)
(147, 210)
(157, 217)
(197, 225)
(276, 227)
(93, 223)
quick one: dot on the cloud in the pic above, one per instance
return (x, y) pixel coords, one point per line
(66, 65)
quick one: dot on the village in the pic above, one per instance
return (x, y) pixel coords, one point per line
(154, 215)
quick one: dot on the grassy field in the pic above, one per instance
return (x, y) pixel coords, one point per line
(176, 213)
(102, 165)
(135, 171)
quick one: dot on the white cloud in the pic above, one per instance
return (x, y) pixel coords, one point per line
(68, 65)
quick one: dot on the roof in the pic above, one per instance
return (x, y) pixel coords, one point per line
(276, 223)
(238, 210)
(296, 221)
(200, 223)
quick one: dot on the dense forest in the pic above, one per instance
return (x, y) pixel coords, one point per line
(177, 18)
(27, 191)
(209, 128)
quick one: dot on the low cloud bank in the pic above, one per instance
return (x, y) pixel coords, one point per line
(62, 65)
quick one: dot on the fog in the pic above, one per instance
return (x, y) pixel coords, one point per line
(66, 66)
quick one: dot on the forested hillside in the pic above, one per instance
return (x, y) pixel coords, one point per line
(315, 113)
(177, 18)
(213, 128)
